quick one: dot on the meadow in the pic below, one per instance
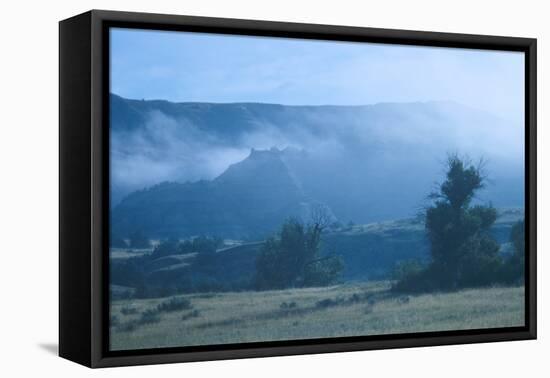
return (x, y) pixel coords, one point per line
(335, 311)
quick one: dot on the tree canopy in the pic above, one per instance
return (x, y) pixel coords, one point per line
(463, 251)
(292, 257)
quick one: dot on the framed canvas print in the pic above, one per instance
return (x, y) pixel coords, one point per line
(234, 188)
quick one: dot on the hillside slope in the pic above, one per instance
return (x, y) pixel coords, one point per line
(369, 252)
(355, 159)
(251, 199)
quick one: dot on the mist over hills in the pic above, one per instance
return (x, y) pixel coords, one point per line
(249, 200)
(365, 163)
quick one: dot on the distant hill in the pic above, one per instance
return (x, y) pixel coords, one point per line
(369, 252)
(367, 163)
(251, 199)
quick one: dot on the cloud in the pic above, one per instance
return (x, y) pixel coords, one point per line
(167, 149)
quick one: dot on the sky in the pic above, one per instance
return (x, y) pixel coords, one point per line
(200, 67)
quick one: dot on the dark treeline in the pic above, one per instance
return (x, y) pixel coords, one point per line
(290, 258)
(165, 271)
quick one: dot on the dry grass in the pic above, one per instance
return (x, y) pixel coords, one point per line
(125, 253)
(361, 309)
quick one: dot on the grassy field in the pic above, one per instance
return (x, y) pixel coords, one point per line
(125, 253)
(345, 310)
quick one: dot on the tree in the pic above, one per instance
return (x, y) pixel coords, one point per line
(166, 248)
(292, 258)
(463, 252)
(200, 244)
(206, 247)
(323, 272)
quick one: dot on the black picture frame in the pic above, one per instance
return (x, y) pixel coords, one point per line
(84, 187)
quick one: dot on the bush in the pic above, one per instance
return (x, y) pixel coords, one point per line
(356, 298)
(114, 321)
(174, 304)
(190, 315)
(417, 281)
(205, 247)
(203, 244)
(149, 316)
(127, 310)
(323, 272)
(328, 302)
(128, 326)
(481, 262)
(165, 248)
(288, 306)
(406, 269)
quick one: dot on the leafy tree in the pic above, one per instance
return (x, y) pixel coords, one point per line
(201, 244)
(463, 253)
(323, 272)
(206, 252)
(166, 248)
(291, 259)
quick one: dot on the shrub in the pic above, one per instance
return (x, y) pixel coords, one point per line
(404, 299)
(406, 269)
(149, 316)
(190, 315)
(326, 303)
(174, 304)
(288, 305)
(127, 310)
(165, 248)
(127, 327)
(114, 321)
(355, 298)
(323, 272)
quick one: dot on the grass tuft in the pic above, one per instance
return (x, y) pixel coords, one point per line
(174, 304)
